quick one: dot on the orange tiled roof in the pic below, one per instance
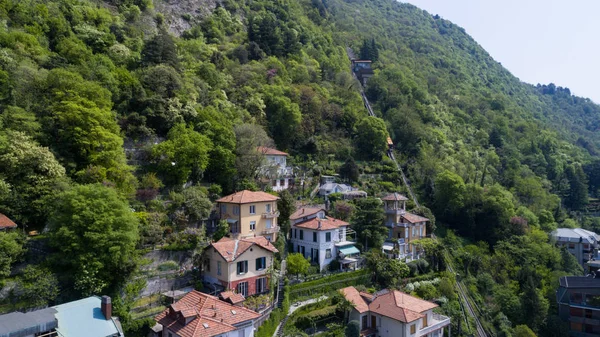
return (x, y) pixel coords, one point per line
(413, 218)
(5, 222)
(245, 196)
(210, 316)
(231, 249)
(352, 295)
(321, 224)
(394, 304)
(270, 151)
(232, 297)
(305, 211)
(395, 197)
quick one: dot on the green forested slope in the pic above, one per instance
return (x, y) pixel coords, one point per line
(101, 105)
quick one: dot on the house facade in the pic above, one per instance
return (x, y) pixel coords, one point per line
(201, 315)
(320, 238)
(240, 265)
(87, 317)
(250, 214)
(403, 228)
(579, 242)
(363, 71)
(578, 299)
(391, 313)
(275, 168)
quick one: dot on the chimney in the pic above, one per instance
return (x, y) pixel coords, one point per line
(106, 307)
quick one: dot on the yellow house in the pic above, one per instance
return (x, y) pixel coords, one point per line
(250, 214)
(240, 265)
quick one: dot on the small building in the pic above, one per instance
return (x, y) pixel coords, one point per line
(403, 228)
(578, 241)
(250, 214)
(321, 239)
(578, 299)
(363, 71)
(201, 315)
(329, 188)
(88, 317)
(6, 223)
(391, 313)
(239, 265)
(275, 168)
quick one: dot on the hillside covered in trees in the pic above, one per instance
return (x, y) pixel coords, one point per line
(118, 128)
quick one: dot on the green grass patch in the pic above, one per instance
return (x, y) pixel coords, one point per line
(144, 301)
(169, 265)
(148, 312)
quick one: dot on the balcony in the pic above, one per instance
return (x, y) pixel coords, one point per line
(270, 215)
(436, 322)
(396, 224)
(271, 230)
(395, 211)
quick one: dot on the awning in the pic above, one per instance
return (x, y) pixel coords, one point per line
(232, 220)
(349, 250)
(388, 246)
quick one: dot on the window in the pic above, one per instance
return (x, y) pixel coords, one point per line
(252, 225)
(236, 210)
(301, 235)
(208, 265)
(223, 209)
(253, 209)
(295, 233)
(328, 253)
(218, 267)
(268, 208)
(328, 237)
(242, 267)
(242, 288)
(413, 328)
(282, 182)
(170, 334)
(261, 285)
(364, 322)
(571, 246)
(314, 236)
(425, 321)
(261, 263)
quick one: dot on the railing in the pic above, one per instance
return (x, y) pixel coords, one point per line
(269, 215)
(271, 230)
(398, 211)
(437, 322)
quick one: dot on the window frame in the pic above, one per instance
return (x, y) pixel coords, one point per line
(413, 329)
(328, 253)
(315, 236)
(240, 288)
(264, 286)
(252, 209)
(328, 237)
(263, 262)
(244, 265)
(252, 225)
(301, 234)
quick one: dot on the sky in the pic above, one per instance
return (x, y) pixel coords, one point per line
(538, 41)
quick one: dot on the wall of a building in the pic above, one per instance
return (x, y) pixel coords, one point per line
(245, 217)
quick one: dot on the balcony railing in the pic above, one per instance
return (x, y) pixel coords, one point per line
(436, 322)
(271, 230)
(270, 215)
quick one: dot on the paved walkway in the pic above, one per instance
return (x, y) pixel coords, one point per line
(295, 307)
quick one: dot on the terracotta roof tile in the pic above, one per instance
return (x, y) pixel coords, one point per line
(270, 151)
(394, 304)
(321, 224)
(5, 222)
(352, 295)
(245, 196)
(394, 197)
(213, 316)
(305, 211)
(232, 297)
(231, 249)
(413, 218)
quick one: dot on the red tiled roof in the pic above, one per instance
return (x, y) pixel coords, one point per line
(352, 295)
(211, 316)
(270, 151)
(413, 218)
(245, 196)
(232, 297)
(394, 304)
(5, 222)
(321, 224)
(231, 249)
(305, 211)
(394, 197)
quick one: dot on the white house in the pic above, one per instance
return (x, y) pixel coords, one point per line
(275, 168)
(202, 315)
(391, 313)
(321, 239)
(578, 241)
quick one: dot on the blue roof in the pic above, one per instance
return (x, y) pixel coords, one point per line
(349, 250)
(84, 318)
